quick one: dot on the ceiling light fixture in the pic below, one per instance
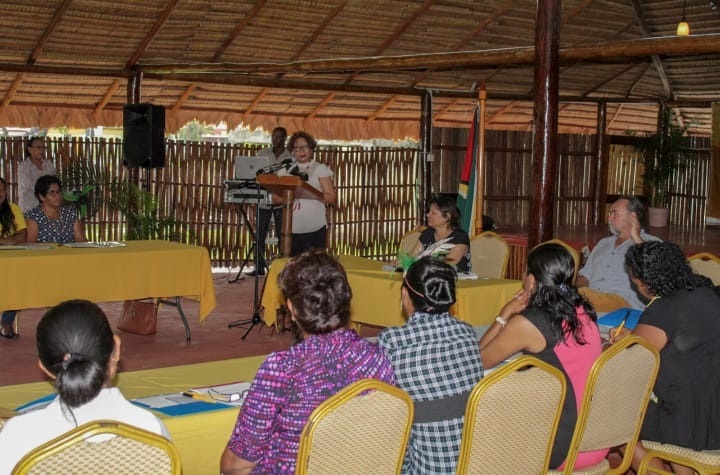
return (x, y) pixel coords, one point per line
(683, 29)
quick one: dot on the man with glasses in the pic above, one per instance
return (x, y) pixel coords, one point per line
(33, 167)
(604, 279)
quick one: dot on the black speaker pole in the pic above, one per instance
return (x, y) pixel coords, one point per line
(256, 300)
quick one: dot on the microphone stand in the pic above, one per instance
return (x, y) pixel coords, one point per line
(256, 299)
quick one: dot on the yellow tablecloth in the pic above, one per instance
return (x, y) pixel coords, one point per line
(141, 269)
(376, 294)
(200, 438)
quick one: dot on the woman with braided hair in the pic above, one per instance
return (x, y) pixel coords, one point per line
(550, 320)
(436, 360)
(78, 350)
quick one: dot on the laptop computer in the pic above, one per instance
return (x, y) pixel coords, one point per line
(246, 168)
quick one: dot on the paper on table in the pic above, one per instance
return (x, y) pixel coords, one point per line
(176, 404)
(25, 247)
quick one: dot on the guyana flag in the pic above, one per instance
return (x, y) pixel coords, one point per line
(466, 192)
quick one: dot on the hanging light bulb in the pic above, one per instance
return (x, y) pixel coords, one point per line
(683, 29)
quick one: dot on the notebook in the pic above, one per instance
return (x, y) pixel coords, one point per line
(246, 168)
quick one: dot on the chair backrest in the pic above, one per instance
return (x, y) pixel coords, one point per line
(362, 429)
(616, 398)
(511, 419)
(706, 264)
(116, 448)
(410, 240)
(489, 255)
(573, 252)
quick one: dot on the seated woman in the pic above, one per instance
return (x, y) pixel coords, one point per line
(437, 361)
(51, 221)
(444, 238)
(290, 384)
(682, 321)
(12, 231)
(76, 348)
(550, 320)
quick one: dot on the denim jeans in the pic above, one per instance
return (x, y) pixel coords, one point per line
(8, 317)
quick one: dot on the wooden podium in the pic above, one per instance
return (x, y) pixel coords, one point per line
(290, 188)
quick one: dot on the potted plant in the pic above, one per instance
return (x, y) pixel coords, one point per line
(663, 152)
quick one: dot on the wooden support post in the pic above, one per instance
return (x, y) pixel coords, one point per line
(544, 166)
(602, 156)
(480, 162)
(425, 153)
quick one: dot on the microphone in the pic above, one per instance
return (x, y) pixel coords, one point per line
(296, 172)
(275, 167)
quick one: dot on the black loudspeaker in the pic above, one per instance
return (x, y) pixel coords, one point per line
(143, 136)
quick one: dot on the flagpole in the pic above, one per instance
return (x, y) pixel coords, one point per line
(480, 162)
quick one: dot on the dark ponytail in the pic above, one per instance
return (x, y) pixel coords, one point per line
(75, 343)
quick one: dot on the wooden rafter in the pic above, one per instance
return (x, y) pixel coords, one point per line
(183, 98)
(238, 29)
(637, 80)
(587, 92)
(637, 11)
(382, 109)
(59, 13)
(615, 115)
(11, 92)
(255, 103)
(107, 96)
(445, 109)
(501, 111)
(322, 105)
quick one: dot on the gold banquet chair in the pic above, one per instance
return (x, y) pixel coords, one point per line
(613, 408)
(706, 264)
(410, 240)
(511, 419)
(352, 432)
(489, 255)
(128, 450)
(704, 462)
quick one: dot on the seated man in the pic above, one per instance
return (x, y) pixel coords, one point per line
(605, 282)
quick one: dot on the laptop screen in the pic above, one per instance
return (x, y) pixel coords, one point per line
(246, 168)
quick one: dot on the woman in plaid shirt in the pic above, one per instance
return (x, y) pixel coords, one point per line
(436, 359)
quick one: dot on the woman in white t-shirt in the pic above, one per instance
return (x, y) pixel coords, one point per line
(76, 348)
(309, 223)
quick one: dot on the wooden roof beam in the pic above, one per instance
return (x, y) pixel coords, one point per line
(382, 109)
(59, 13)
(238, 29)
(609, 79)
(445, 109)
(321, 106)
(255, 103)
(500, 112)
(606, 52)
(183, 98)
(11, 92)
(106, 97)
(151, 34)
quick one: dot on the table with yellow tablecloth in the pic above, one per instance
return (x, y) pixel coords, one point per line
(201, 437)
(376, 294)
(139, 269)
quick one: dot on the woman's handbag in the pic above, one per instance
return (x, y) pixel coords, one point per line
(138, 317)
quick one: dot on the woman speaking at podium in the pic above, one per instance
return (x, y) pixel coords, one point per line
(309, 222)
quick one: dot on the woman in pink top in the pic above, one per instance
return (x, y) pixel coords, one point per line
(550, 320)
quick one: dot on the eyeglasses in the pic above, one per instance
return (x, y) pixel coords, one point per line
(227, 397)
(300, 148)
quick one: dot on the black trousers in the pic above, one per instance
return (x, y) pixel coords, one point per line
(263, 226)
(303, 242)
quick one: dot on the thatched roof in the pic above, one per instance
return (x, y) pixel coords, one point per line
(353, 68)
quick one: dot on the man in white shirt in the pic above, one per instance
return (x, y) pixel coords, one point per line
(603, 279)
(277, 153)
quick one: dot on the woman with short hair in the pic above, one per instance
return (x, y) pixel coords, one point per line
(51, 220)
(444, 238)
(290, 384)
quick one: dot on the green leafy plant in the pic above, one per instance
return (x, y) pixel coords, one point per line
(663, 152)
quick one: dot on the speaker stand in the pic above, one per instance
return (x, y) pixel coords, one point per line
(251, 322)
(253, 251)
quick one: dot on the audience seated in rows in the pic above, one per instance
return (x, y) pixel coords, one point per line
(549, 319)
(290, 384)
(78, 350)
(436, 360)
